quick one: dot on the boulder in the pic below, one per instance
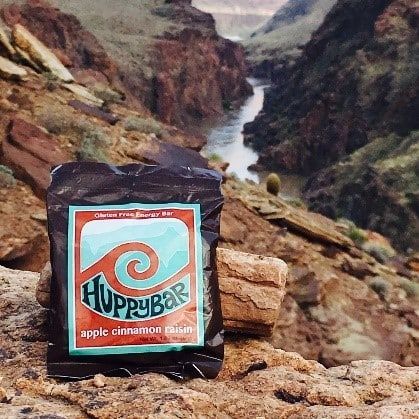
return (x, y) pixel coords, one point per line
(94, 111)
(83, 93)
(11, 71)
(252, 289)
(39, 53)
(5, 45)
(31, 153)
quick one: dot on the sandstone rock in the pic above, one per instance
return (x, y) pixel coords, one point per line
(39, 53)
(256, 381)
(252, 288)
(9, 70)
(20, 236)
(31, 153)
(328, 314)
(26, 59)
(275, 209)
(149, 149)
(83, 93)
(43, 286)
(94, 111)
(5, 44)
(99, 381)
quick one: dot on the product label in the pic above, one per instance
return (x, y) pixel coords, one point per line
(135, 278)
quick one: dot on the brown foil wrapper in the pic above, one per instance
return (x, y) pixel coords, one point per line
(97, 184)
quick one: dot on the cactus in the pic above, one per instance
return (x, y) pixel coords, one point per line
(273, 182)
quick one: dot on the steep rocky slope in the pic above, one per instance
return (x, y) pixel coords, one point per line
(278, 42)
(256, 381)
(167, 55)
(170, 55)
(354, 88)
(44, 122)
(341, 304)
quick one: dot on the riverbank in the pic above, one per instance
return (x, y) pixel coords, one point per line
(225, 141)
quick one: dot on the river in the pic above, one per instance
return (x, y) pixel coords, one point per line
(225, 139)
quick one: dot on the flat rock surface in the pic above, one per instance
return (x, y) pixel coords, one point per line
(257, 380)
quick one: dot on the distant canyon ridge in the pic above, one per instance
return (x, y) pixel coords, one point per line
(238, 19)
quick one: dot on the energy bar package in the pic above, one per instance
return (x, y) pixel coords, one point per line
(134, 284)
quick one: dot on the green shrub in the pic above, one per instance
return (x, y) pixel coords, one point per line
(273, 183)
(108, 95)
(379, 286)
(52, 82)
(7, 179)
(357, 235)
(145, 125)
(59, 122)
(93, 147)
(381, 253)
(411, 288)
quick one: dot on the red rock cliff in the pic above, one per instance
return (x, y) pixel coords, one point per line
(195, 73)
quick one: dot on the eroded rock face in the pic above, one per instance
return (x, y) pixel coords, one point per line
(257, 380)
(77, 48)
(341, 304)
(23, 240)
(187, 73)
(341, 110)
(11, 71)
(31, 153)
(39, 53)
(197, 75)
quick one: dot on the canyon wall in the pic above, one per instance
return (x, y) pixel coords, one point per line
(166, 55)
(278, 42)
(239, 18)
(348, 108)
